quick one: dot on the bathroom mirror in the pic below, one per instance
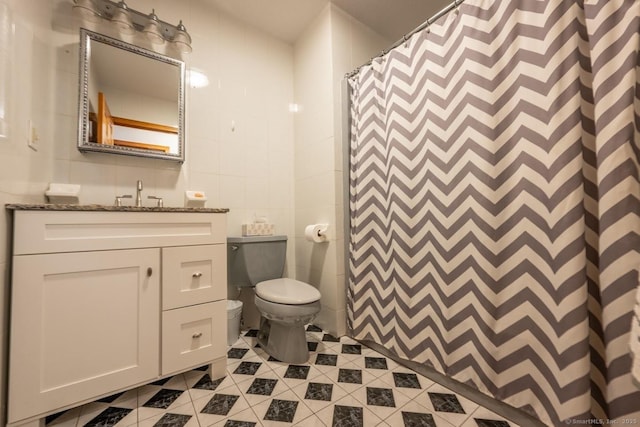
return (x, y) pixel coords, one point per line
(131, 100)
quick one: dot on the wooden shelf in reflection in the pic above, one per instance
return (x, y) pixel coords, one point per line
(142, 145)
(106, 122)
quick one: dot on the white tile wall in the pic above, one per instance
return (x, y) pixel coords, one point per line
(328, 49)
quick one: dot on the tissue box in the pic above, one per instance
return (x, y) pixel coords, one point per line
(258, 229)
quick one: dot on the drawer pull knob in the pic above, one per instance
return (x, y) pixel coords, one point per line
(197, 335)
(197, 274)
(149, 271)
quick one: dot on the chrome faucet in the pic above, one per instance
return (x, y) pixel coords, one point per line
(139, 194)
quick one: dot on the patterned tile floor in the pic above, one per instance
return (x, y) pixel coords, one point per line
(344, 384)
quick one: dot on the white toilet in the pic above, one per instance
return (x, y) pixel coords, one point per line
(285, 305)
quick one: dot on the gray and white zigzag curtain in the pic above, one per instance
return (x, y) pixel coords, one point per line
(495, 202)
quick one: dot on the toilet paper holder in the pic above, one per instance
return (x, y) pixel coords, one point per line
(316, 233)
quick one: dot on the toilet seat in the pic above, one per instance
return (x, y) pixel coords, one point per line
(287, 291)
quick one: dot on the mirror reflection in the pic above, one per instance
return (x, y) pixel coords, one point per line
(131, 100)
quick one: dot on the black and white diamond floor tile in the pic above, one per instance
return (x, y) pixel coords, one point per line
(294, 375)
(246, 418)
(415, 414)
(325, 361)
(284, 408)
(200, 385)
(264, 387)
(179, 416)
(222, 404)
(348, 411)
(64, 418)
(247, 369)
(350, 377)
(453, 407)
(407, 382)
(343, 384)
(378, 397)
(482, 417)
(158, 402)
(237, 352)
(319, 393)
(102, 414)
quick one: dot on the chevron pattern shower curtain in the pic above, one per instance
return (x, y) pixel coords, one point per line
(495, 202)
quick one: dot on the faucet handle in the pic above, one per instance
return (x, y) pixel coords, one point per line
(119, 199)
(160, 202)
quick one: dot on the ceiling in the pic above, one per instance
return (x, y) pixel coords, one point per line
(287, 19)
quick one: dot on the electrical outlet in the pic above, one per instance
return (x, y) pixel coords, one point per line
(32, 136)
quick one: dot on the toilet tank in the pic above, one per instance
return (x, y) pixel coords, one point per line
(251, 260)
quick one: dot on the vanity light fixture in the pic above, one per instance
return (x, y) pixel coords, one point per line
(130, 20)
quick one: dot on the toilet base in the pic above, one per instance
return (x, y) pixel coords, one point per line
(285, 342)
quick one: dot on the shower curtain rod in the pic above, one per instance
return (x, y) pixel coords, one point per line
(406, 37)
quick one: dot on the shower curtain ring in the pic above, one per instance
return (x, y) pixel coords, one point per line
(406, 41)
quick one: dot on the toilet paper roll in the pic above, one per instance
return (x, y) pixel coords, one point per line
(316, 233)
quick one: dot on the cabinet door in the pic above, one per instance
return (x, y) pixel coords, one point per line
(193, 275)
(82, 325)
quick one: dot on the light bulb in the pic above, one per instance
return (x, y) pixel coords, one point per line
(86, 10)
(122, 19)
(152, 30)
(182, 39)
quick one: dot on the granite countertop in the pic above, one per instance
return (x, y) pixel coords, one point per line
(107, 208)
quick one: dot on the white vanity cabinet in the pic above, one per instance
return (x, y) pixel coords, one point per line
(104, 301)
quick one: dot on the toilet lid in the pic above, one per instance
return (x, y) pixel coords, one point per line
(287, 291)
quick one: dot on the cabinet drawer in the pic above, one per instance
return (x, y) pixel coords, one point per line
(193, 336)
(193, 275)
(75, 231)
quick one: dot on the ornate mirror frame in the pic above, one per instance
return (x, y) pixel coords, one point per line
(87, 38)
